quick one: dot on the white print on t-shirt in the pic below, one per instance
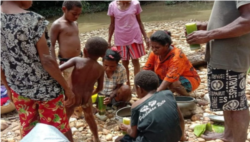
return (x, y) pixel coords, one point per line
(152, 103)
(149, 109)
(144, 108)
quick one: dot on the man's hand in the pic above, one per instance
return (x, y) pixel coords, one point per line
(107, 100)
(70, 98)
(198, 37)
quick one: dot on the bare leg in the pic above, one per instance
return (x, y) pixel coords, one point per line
(227, 136)
(69, 135)
(136, 65)
(69, 111)
(125, 63)
(178, 88)
(182, 124)
(89, 117)
(240, 122)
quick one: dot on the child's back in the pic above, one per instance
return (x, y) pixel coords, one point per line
(65, 31)
(86, 72)
(84, 76)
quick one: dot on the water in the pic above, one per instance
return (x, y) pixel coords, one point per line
(153, 12)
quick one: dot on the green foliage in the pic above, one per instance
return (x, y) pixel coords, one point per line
(218, 128)
(200, 129)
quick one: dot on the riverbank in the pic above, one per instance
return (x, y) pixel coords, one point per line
(153, 12)
(108, 130)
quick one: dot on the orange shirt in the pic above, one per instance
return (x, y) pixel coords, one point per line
(174, 65)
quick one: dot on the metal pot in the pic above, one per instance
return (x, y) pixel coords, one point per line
(123, 112)
(187, 105)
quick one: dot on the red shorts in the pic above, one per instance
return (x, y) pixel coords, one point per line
(134, 51)
(31, 112)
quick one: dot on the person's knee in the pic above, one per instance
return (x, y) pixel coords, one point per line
(175, 85)
(88, 112)
(124, 93)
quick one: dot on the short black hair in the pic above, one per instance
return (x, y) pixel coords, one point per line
(147, 80)
(112, 56)
(162, 37)
(71, 4)
(96, 46)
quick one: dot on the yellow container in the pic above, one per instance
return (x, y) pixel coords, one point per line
(93, 97)
(126, 120)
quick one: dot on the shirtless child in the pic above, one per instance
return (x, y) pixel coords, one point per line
(86, 72)
(65, 31)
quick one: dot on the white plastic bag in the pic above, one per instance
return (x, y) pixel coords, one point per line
(44, 133)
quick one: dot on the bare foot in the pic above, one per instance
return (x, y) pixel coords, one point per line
(214, 136)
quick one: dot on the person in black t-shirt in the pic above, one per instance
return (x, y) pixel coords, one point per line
(155, 117)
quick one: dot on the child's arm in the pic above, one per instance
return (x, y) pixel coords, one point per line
(131, 131)
(111, 29)
(99, 84)
(70, 63)
(138, 17)
(3, 79)
(182, 124)
(50, 65)
(54, 33)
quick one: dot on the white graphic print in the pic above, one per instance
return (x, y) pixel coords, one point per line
(152, 103)
(217, 85)
(243, 83)
(148, 109)
(232, 86)
(144, 108)
(231, 105)
(214, 102)
(242, 101)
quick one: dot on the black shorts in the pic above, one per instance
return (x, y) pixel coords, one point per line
(227, 90)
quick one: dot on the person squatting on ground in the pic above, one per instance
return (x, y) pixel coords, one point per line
(155, 116)
(126, 24)
(87, 71)
(228, 55)
(116, 91)
(174, 70)
(28, 71)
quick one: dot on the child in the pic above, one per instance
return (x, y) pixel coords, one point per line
(65, 31)
(31, 76)
(155, 117)
(115, 76)
(128, 28)
(86, 72)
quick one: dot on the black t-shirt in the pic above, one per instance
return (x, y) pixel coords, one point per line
(157, 119)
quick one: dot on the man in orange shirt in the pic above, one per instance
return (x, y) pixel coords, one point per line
(171, 65)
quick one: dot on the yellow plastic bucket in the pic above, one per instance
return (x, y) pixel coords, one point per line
(93, 97)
